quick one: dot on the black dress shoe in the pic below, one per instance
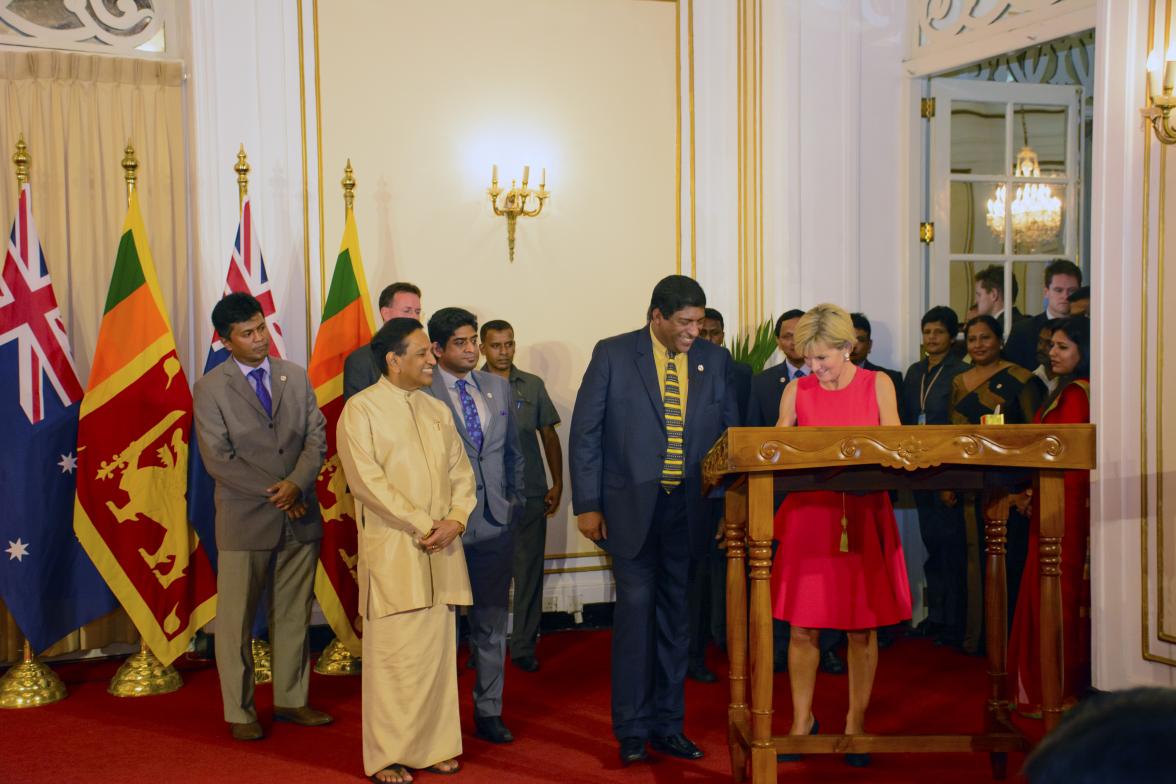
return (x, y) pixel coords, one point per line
(492, 729)
(857, 760)
(832, 663)
(633, 750)
(676, 746)
(527, 663)
(699, 672)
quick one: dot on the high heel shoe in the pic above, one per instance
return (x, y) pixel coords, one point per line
(797, 757)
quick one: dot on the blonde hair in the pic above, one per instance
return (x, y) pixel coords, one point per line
(826, 324)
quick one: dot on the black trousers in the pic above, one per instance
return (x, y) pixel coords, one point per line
(650, 630)
(706, 600)
(946, 567)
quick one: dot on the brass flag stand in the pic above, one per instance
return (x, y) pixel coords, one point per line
(142, 674)
(335, 658)
(262, 659)
(29, 683)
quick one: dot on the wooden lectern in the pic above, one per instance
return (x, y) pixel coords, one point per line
(763, 460)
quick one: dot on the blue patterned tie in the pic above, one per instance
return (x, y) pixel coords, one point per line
(258, 378)
(473, 423)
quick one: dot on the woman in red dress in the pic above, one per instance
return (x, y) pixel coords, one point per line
(1069, 357)
(839, 564)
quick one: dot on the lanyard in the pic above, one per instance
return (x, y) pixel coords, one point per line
(925, 388)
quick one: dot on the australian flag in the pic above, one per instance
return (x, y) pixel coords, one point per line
(46, 579)
(246, 274)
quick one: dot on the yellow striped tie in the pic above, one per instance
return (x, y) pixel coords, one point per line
(674, 467)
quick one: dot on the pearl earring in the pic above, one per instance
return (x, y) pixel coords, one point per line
(847, 355)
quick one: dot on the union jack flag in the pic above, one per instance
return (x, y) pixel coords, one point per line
(246, 274)
(30, 316)
(46, 579)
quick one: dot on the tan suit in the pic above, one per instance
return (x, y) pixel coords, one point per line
(407, 467)
(246, 451)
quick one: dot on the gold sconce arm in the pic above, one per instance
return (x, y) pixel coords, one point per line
(514, 202)
(1159, 114)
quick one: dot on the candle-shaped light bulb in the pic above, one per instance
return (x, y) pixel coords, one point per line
(1155, 68)
(543, 180)
(1170, 69)
(526, 175)
(494, 174)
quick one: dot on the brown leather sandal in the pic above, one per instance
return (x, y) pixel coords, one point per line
(399, 770)
(445, 771)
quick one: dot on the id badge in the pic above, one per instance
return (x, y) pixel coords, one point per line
(922, 417)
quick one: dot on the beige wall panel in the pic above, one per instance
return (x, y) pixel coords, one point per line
(425, 96)
(1166, 412)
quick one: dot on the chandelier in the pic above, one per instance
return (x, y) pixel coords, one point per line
(1036, 212)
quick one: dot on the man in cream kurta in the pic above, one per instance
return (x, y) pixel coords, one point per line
(414, 491)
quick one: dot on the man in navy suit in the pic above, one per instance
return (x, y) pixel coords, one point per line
(763, 410)
(763, 405)
(483, 411)
(651, 404)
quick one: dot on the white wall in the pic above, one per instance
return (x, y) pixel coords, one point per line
(1117, 273)
(586, 90)
(245, 90)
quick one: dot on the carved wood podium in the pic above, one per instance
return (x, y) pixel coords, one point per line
(764, 460)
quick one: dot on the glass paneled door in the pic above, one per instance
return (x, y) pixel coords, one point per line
(1005, 189)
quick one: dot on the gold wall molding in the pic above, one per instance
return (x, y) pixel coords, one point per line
(678, 136)
(1145, 425)
(305, 183)
(568, 556)
(749, 86)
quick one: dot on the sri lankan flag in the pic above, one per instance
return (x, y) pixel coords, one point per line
(346, 325)
(130, 513)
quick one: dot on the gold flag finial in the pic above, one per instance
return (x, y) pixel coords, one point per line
(130, 166)
(348, 183)
(22, 160)
(242, 169)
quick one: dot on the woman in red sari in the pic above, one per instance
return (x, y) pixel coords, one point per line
(1069, 357)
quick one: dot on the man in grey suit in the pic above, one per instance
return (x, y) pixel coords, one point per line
(262, 438)
(399, 300)
(483, 411)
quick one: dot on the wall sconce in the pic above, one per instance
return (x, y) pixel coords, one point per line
(515, 203)
(1161, 79)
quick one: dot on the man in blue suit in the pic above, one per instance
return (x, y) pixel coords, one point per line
(482, 409)
(651, 404)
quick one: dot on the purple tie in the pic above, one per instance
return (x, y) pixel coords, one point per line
(258, 379)
(469, 410)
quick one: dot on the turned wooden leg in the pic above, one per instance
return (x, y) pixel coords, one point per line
(996, 611)
(760, 515)
(996, 614)
(736, 535)
(1051, 497)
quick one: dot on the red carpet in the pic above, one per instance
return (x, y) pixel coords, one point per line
(560, 716)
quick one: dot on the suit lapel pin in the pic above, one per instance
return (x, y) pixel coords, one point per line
(281, 378)
(783, 379)
(700, 368)
(490, 395)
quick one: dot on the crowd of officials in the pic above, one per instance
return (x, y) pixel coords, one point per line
(446, 462)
